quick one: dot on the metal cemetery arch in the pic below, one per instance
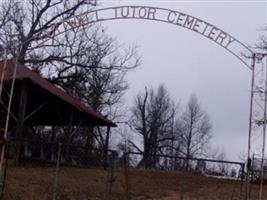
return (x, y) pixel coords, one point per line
(215, 34)
(207, 30)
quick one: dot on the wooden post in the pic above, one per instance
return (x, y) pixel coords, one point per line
(106, 148)
(52, 144)
(26, 148)
(55, 186)
(20, 122)
(42, 155)
(126, 176)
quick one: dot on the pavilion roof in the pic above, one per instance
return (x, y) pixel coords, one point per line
(56, 107)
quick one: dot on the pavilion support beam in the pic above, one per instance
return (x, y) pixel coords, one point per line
(34, 111)
(20, 120)
(107, 138)
(6, 109)
(52, 140)
(106, 147)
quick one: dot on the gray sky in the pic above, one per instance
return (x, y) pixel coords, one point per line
(188, 63)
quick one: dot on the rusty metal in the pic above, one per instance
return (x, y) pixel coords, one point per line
(250, 124)
(263, 137)
(217, 35)
(3, 148)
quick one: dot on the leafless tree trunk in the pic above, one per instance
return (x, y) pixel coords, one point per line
(223, 168)
(83, 61)
(152, 117)
(193, 130)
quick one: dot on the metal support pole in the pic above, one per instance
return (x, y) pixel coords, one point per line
(126, 176)
(250, 124)
(3, 149)
(20, 121)
(242, 180)
(55, 188)
(264, 135)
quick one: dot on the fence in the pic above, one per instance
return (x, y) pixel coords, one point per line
(74, 172)
(53, 170)
(256, 169)
(194, 178)
(202, 165)
(70, 154)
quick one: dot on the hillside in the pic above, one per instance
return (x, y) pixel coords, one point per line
(36, 183)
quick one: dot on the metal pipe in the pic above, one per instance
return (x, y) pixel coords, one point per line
(264, 135)
(55, 187)
(7, 121)
(250, 123)
(8, 115)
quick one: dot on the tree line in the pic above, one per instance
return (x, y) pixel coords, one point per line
(92, 66)
(85, 62)
(168, 129)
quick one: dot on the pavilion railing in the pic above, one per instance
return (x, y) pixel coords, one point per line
(70, 154)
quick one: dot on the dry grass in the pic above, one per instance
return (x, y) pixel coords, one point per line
(36, 183)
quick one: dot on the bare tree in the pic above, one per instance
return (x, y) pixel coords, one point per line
(102, 88)
(223, 167)
(193, 130)
(83, 61)
(77, 54)
(262, 44)
(152, 117)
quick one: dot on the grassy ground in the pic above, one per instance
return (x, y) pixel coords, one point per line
(36, 183)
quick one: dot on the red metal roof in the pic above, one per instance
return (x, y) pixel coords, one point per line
(23, 73)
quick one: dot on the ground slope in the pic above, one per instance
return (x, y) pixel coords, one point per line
(37, 183)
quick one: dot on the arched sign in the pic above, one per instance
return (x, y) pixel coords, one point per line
(213, 33)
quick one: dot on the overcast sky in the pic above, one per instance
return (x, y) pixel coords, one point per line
(188, 63)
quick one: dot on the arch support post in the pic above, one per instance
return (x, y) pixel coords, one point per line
(248, 164)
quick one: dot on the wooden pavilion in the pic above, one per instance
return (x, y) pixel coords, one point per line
(37, 102)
